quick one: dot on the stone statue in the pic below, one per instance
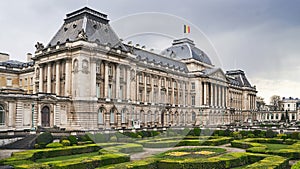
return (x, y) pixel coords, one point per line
(39, 46)
(82, 35)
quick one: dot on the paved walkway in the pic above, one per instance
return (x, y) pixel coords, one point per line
(5, 153)
(151, 151)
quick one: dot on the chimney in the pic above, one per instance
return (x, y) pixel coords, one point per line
(4, 57)
(29, 56)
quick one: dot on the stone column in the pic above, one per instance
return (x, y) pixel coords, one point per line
(117, 82)
(57, 80)
(204, 93)
(105, 80)
(128, 83)
(93, 79)
(145, 89)
(68, 78)
(159, 90)
(41, 79)
(212, 94)
(49, 78)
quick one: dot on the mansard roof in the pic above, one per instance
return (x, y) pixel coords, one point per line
(185, 49)
(150, 57)
(16, 64)
(89, 25)
(238, 78)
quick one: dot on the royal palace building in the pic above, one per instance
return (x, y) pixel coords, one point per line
(86, 78)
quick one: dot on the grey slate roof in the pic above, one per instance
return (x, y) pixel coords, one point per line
(238, 78)
(185, 49)
(150, 57)
(16, 64)
(94, 24)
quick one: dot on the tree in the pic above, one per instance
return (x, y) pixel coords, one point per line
(274, 101)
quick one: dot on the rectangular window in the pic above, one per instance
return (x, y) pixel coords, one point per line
(140, 95)
(193, 86)
(31, 81)
(148, 79)
(98, 90)
(20, 83)
(175, 84)
(8, 82)
(169, 83)
(193, 100)
(148, 97)
(141, 78)
(98, 68)
(109, 94)
(162, 96)
(25, 82)
(121, 92)
(110, 70)
(162, 82)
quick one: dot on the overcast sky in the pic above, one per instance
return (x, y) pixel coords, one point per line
(261, 37)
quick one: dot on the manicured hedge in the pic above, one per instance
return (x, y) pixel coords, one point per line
(126, 148)
(82, 162)
(46, 153)
(292, 152)
(270, 163)
(218, 141)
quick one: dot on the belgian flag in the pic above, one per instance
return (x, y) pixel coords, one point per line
(186, 29)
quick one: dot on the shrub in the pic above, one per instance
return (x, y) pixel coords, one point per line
(44, 139)
(256, 133)
(113, 139)
(237, 135)
(294, 135)
(72, 139)
(270, 133)
(250, 135)
(65, 142)
(54, 145)
(227, 132)
(282, 136)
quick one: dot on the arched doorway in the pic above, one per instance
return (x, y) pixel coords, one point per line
(45, 116)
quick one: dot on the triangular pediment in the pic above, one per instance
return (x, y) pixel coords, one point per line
(217, 74)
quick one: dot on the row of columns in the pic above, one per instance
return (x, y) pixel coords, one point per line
(59, 73)
(216, 94)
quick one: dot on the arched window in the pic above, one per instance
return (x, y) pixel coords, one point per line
(193, 116)
(112, 115)
(2, 115)
(100, 116)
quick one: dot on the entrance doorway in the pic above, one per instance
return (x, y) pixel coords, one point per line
(45, 116)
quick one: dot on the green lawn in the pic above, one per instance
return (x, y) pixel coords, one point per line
(275, 146)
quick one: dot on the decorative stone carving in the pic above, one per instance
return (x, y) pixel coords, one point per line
(82, 35)
(39, 46)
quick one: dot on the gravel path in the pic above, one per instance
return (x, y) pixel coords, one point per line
(151, 151)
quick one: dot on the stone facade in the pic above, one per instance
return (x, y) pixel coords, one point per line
(87, 79)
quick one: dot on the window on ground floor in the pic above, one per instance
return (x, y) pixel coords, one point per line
(2, 115)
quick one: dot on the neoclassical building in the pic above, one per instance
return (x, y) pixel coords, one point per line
(86, 78)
